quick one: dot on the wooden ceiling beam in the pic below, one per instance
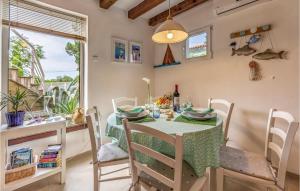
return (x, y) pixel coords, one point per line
(175, 10)
(143, 7)
(105, 4)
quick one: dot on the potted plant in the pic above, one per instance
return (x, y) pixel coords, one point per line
(17, 103)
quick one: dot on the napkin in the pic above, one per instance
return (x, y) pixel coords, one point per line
(132, 112)
(143, 120)
(211, 122)
(204, 111)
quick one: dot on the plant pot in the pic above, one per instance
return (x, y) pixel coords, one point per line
(15, 118)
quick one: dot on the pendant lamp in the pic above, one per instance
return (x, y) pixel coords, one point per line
(170, 31)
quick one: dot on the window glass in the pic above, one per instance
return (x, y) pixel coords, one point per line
(198, 44)
(48, 68)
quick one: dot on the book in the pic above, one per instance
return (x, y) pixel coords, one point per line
(48, 156)
(47, 165)
(21, 157)
(45, 160)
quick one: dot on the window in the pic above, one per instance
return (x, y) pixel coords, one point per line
(198, 44)
(46, 55)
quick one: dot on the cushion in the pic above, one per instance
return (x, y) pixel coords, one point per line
(111, 152)
(246, 163)
(188, 180)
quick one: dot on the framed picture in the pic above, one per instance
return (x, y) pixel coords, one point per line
(135, 52)
(198, 44)
(119, 50)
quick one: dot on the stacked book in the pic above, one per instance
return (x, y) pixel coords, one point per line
(51, 157)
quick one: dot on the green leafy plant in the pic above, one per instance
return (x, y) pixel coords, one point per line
(17, 101)
(73, 49)
(64, 101)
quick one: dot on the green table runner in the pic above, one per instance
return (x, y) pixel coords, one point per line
(201, 142)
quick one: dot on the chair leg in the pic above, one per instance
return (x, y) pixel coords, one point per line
(220, 179)
(96, 177)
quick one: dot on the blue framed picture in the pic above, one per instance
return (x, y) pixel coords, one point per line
(119, 50)
(135, 52)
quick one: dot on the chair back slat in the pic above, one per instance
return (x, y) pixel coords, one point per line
(152, 132)
(154, 154)
(226, 115)
(117, 102)
(278, 132)
(176, 163)
(154, 174)
(275, 148)
(287, 138)
(93, 122)
(284, 115)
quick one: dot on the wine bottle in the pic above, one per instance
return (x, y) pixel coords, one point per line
(176, 100)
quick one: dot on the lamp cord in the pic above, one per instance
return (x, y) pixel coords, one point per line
(169, 9)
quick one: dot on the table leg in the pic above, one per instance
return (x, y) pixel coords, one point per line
(3, 156)
(212, 178)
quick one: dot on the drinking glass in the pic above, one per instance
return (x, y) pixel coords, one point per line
(156, 112)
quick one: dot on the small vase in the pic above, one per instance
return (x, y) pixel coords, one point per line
(14, 119)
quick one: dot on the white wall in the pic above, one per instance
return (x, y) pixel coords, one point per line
(227, 77)
(105, 79)
(223, 76)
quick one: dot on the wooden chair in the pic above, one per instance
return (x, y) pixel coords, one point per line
(256, 168)
(166, 173)
(123, 101)
(103, 154)
(226, 115)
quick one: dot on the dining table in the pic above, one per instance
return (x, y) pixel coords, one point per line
(202, 140)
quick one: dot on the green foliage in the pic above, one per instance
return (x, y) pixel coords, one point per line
(73, 49)
(65, 101)
(69, 106)
(64, 78)
(17, 100)
(20, 54)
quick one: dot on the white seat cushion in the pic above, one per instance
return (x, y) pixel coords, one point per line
(111, 152)
(246, 163)
(189, 178)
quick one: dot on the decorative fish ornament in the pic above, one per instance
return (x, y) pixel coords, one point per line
(233, 44)
(254, 39)
(245, 51)
(270, 54)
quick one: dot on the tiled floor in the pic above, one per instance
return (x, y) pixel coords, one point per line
(80, 178)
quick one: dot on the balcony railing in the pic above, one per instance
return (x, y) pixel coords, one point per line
(34, 69)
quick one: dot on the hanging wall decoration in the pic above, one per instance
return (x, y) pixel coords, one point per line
(256, 36)
(119, 50)
(135, 52)
(252, 31)
(245, 51)
(255, 73)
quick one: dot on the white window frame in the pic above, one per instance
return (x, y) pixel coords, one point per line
(4, 67)
(208, 30)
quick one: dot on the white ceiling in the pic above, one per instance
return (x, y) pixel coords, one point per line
(128, 4)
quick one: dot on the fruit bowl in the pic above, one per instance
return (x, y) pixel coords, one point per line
(163, 102)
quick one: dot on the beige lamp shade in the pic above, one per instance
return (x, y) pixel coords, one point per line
(169, 32)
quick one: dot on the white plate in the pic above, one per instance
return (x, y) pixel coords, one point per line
(140, 116)
(200, 118)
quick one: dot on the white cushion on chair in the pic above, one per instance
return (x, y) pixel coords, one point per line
(246, 163)
(111, 152)
(188, 180)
